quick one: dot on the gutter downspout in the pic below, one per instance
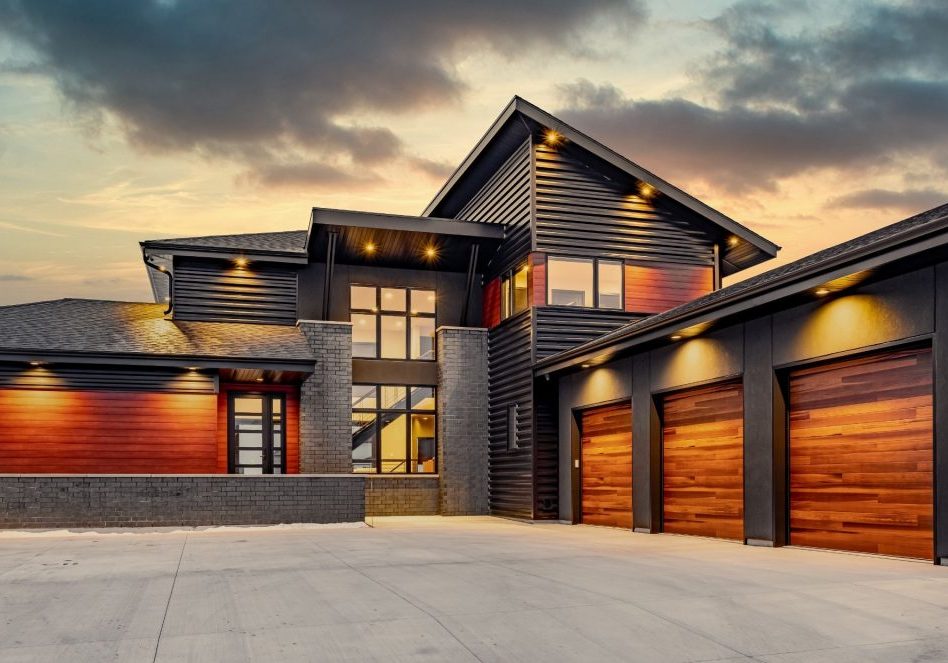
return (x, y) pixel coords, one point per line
(170, 282)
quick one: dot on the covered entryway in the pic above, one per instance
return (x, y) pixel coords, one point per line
(703, 461)
(861, 455)
(607, 465)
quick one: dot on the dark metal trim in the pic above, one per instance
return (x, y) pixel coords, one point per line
(330, 266)
(469, 285)
(178, 361)
(170, 276)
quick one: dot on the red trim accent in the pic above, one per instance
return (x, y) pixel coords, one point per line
(657, 287)
(491, 304)
(537, 279)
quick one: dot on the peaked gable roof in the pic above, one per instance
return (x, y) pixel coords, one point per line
(513, 126)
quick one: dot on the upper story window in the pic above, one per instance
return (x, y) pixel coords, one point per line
(514, 292)
(584, 282)
(392, 323)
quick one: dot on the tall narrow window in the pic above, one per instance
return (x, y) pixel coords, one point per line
(514, 292)
(610, 284)
(393, 429)
(570, 281)
(520, 298)
(392, 323)
(505, 303)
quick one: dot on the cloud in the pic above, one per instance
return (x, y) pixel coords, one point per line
(305, 174)
(15, 277)
(259, 83)
(6, 225)
(780, 101)
(907, 201)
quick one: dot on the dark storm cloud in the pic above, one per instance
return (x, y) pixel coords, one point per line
(251, 80)
(786, 101)
(907, 201)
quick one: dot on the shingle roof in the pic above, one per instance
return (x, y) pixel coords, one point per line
(127, 328)
(287, 241)
(932, 220)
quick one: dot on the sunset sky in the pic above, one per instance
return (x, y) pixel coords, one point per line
(809, 122)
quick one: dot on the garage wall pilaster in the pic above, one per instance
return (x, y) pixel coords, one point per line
(940, 356)
(646, 451)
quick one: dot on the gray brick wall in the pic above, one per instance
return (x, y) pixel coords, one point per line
(326, 400)
(462, 420)
(166, 500)
(386, 495)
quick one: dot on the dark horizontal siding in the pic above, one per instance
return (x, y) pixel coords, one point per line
(510, 374)
(546, 470)
(559, 328)
(505, 198)
(217, 291)
(67, 378)
(581, 212)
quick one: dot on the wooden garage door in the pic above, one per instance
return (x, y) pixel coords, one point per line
(703, 462)
(861, 455)
(607, 466)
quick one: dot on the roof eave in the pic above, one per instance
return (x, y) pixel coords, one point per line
(155, 360)
(153, 247)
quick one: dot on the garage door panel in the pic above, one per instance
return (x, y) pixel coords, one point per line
(861, 456)
(606, 465)
(703, 462)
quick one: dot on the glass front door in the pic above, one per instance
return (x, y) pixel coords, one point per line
(256, 434)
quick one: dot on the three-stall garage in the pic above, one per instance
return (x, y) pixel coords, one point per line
(861, 454)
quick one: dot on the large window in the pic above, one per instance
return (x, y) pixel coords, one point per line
(584, 282)
(392, 323)
(393, 429)
(514, 290)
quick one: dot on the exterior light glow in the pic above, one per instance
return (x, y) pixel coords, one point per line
(241, 262)
(676, 337)
(37, 363)
(552, 137)
(369, 248)
(647, 191)
(732, 241)
(822, 292)
(586, 365)
(431, 252)
(192, 368)
(259, 379)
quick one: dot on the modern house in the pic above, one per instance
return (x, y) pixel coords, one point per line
(548, 340)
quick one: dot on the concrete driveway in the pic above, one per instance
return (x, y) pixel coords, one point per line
(461, 589)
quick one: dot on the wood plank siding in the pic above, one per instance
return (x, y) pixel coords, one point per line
(510, 375)
(107, 432)
(606, 448)
(703, 461)
(218, 291)
(861, 455)
(581, 212)
(657, 287)
(506, 198)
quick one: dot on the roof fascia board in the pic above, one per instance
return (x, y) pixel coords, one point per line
(766, 293)
(417, 224)
(224, 254)
(181, 361)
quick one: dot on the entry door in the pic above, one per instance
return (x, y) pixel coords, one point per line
(861, 455)
(703, 461)
(256, 434)
(606, 465)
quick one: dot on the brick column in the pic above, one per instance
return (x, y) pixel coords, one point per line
(326, 400)
(462, 420)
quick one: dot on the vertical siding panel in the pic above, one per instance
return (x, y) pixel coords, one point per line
(537, 279)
